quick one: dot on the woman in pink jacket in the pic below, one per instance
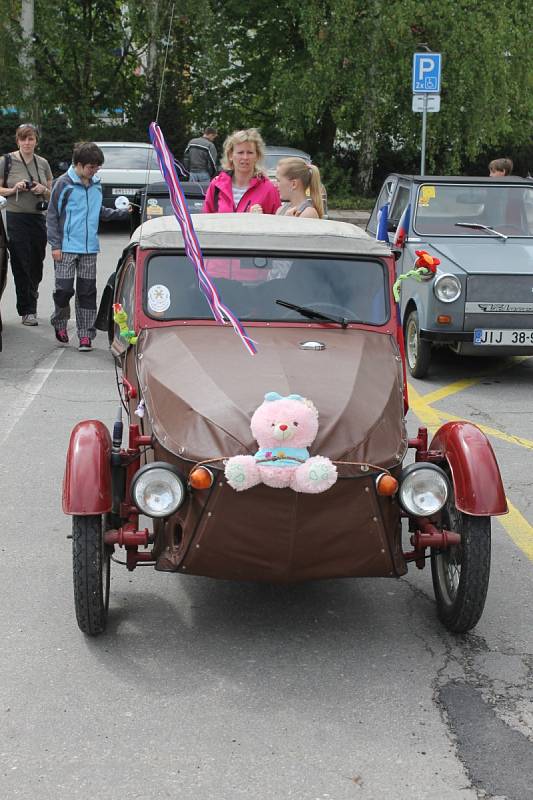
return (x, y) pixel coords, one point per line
(242, 186)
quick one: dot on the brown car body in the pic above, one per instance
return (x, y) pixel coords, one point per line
(199, 388)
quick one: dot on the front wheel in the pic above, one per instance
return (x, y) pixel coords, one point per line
(461, 573)
(91, 561)
(417, 350)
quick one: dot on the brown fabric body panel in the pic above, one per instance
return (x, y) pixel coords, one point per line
(201, 388)
(280, 536)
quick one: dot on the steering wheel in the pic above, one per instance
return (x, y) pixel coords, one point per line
(327, 308)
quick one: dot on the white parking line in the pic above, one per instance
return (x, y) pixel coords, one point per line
(28, 391)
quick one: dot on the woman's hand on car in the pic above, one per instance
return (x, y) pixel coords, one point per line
(257, 208)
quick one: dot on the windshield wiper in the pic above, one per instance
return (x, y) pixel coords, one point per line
(478, 227)
(309, 312)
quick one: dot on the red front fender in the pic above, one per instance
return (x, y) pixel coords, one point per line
(87, 481)
(475, 473)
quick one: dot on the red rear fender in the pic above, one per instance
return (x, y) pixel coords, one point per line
(87, 481)
(475, 473)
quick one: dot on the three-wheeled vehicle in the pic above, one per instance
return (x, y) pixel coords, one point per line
(316, 298)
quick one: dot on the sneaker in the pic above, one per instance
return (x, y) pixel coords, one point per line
(30, 319)
(62, 336)
(85, 344)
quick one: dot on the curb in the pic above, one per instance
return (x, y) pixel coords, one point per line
(349, 215)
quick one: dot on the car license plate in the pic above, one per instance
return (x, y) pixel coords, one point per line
(498, 336)
(131, 190)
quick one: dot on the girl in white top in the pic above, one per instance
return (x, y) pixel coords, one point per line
(300, 188)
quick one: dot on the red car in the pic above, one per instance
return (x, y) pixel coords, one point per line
(316, 298)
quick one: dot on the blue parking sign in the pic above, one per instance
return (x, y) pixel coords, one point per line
(426, 73)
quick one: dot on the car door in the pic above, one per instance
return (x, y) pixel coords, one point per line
(398, 204)
(385, 194)
(125, 295)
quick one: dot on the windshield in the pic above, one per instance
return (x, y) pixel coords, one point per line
(271, 161)
(351, 289)
(129, 158)
(507, 209)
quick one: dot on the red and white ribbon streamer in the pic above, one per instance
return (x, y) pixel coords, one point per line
(219, 310)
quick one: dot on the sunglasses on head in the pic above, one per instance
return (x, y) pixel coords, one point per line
(29, 127)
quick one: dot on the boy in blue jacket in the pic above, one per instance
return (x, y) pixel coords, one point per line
(74, 212)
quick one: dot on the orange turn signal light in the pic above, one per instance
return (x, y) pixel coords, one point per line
(201, 478)
(444, 319)
(386, 485)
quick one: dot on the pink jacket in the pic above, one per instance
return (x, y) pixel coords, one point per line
(219, 197)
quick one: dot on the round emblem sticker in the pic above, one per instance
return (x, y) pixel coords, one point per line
(158, 298)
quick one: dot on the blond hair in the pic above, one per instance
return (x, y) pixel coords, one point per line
(297, 169)
(240, 137)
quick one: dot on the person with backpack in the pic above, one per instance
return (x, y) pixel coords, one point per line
(26, 183)
(242, 186)
(200, 157)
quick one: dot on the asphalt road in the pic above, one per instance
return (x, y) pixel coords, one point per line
(206, 690)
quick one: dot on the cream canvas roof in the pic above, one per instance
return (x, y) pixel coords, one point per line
(260, 232)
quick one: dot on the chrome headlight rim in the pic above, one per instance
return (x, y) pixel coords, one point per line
(438, 281)
(179, 484)
(408, 474)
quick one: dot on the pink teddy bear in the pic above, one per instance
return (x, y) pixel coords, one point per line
(284, 427)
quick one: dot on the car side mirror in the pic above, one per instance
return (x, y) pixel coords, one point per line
(396, 252)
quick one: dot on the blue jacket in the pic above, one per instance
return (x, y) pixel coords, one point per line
(74, 212)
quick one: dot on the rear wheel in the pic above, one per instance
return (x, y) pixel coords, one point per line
(91, 561)
(461, 573)
(417, 351)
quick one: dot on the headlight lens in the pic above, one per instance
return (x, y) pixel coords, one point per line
(157, 489)
(447, 288)
(424, 489)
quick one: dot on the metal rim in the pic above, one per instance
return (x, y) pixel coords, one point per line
(106, 574)
(449, 572)
(412, 343)
(448, 562)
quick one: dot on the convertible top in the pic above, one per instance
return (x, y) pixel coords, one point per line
(261, 232)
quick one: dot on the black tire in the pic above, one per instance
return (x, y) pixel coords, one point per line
(91, 562)
(461, 573)
(417, 350)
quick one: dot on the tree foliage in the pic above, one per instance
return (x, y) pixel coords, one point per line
(332, 76)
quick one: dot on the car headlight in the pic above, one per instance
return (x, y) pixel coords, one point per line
(157, 489)
(447, 288)
(424, 489)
